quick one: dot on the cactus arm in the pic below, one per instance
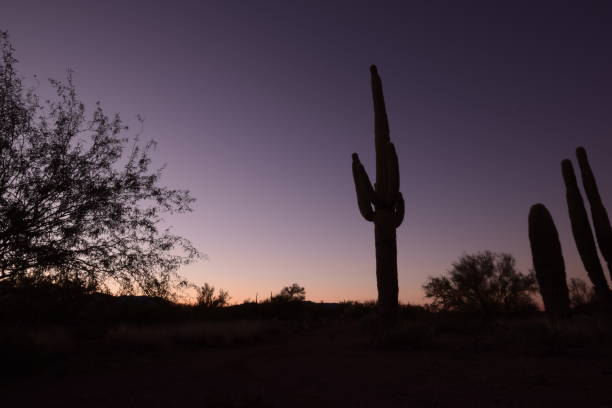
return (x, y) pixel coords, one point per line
(364, 179)
(581, 229)
(381, 129)
(599, 215)
(381, 124)
(364, 189)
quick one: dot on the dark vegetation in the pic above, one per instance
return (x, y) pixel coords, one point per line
(387, 201)
(88, 282)
(583, 234)
(546, 250)
(79, 201)
(548, 262)
(55, 331)
(485, 283)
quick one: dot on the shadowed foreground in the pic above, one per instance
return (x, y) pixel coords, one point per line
(325, 367)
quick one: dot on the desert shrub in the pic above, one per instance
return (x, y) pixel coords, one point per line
(208, 299)
(580, 293)
(485, 283)
(291, 293)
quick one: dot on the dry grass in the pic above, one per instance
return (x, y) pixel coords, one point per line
(194, 334)
(527, 336)
(25, 349)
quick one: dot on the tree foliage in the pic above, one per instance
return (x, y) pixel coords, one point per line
(208, 299)
(294, 292)
(484, 282)
(580, 293)
(79, 201)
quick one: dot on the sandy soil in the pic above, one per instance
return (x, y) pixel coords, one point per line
(328, 367)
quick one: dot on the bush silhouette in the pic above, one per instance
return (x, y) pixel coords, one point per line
(208, 299)
(485, 283)
(76, 201)
(291, 293)
(580, 293)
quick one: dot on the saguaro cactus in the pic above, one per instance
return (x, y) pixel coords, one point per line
(382, 204)
(583, 235)
(548, 262)
(601, 222)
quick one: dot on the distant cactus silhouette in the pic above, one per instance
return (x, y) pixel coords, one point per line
(548, 261)
(583, 235)
(599, 215)
(382, 204)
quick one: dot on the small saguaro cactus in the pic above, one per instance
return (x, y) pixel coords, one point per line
(382, 204)
(599, 215)
(548, 262)
(583, 235)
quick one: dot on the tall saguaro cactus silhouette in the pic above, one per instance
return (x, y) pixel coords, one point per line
(601, 222)
(548, 262)
(382, 204)
(583, 234)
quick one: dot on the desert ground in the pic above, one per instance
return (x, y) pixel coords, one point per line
(516, 364)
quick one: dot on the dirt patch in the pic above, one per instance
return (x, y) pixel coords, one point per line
(327, 367)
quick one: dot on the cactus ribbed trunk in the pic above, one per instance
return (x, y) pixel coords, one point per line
(386, 270)
(583, 234)
(601, 222)
(548, 262)
(382, 204)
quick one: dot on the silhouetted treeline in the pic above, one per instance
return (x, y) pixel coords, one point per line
(41, 302)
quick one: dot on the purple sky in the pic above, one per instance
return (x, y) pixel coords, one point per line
(257, 107)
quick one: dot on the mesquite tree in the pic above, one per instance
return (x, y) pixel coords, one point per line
(74, 204)
(485, 282)
(382, 204)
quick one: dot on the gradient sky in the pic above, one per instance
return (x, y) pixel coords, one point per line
(258, 105)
